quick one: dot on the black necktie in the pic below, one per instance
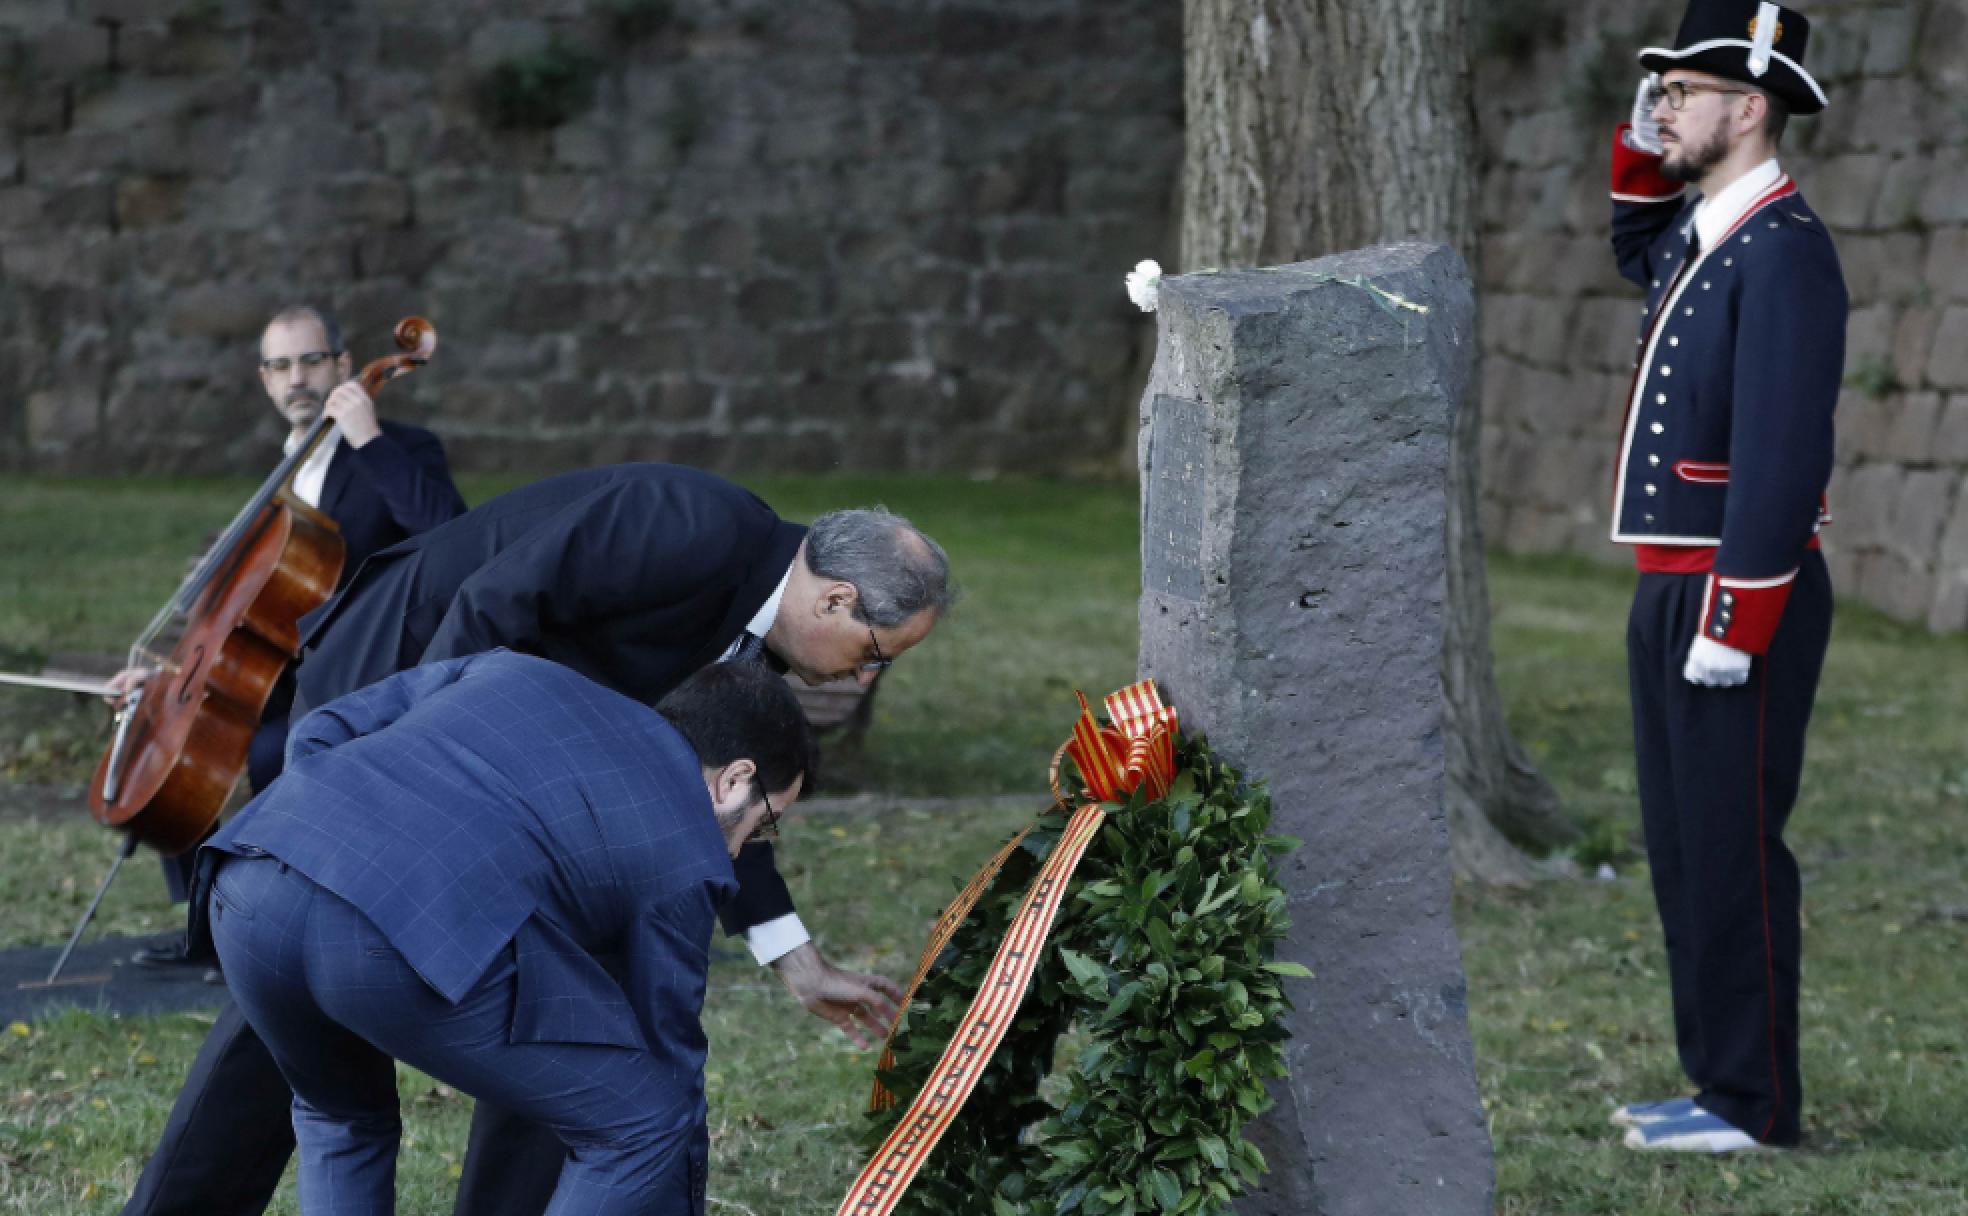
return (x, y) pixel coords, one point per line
(751, 648)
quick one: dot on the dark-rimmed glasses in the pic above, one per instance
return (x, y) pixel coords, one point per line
(308, 362)
(881, 661)
(1676, 92)
(768, 827)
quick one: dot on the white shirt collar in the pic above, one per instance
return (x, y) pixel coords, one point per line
(761, 622)
(1715, 216)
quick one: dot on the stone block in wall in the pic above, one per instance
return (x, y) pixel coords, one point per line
(1950, 606)
(78, 258)
(1943, 49)
(1838, 46)
(609, 350)
(162, 48)
(1890, 38)
(144, 202)
(1842, 190)
(1913, 343)
(1898, 202)
(1951, 432)
(1862, 498)
(1869, 334)
(1945, 200)
(1920, 513)
(58, 54)
(1881, 267)
(65, 413)
(1864, 422)
(1910, 438)
(1947, 367)
(1902, 589)
(1891, 115)
(1945, 274)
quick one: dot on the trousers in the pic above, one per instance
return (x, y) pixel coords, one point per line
(336, 1005)
(1719, 770)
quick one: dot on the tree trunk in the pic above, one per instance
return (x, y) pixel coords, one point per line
(1315, 126)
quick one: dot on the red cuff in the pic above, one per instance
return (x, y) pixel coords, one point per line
(1636, 175)
(1743, 612)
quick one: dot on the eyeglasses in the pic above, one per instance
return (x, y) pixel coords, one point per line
(881, 661)
(768, 827)
(1676, 92)
(308, 362)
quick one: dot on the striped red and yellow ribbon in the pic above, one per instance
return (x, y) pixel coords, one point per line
(1137, 751)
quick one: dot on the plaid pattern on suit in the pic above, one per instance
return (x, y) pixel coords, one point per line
(518, 842)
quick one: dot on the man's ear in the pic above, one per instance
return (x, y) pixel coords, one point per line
(839, 596)
(734, 783)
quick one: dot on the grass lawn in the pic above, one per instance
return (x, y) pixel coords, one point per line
(1568, 994)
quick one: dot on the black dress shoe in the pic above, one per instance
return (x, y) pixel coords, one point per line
(164, 954)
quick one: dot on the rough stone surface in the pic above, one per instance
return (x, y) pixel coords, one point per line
(1295, 436)
(746, 252)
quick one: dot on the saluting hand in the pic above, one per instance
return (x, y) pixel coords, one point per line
(355, 411)
(1644, 134)
(859, 1003)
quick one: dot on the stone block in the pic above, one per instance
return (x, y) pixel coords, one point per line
(64, 414)
(1882, 267)
(143, 202)
(1919, 514)
(1910, 438)
(1890, 38)
(1293, 460)
(160, 48)
(495, 42)
(1945, 200)
(1946, 272)
(1898, 202)
(1902, 589)
(1843, 190)
(1947, 368)
(58, 54)
(668, 349)
(1913, 343)
(1951, 432)
(1942, 55)
(1862, 501)
(1891, 114)
(1869, 334)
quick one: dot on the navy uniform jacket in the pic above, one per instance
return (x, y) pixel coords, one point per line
(1727, 441)
(387, 490)
(501, 801)
(633, 575)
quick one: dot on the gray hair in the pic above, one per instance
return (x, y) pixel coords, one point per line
(896, 570)
(330, 327)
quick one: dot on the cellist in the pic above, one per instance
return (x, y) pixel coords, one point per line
(380, 481)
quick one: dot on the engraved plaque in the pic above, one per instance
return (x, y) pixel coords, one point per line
(1172, 523)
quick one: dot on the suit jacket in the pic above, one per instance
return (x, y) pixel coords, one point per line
(504, 802)
(633, 575)
(1727, 444)
(387, 490)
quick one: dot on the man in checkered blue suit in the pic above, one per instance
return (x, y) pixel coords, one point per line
(505, 875)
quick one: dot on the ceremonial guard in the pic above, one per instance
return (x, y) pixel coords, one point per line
(1719, 487)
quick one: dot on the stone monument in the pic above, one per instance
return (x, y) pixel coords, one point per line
(1294, 451)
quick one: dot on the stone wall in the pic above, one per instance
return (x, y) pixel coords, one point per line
(1885, 166)
(838, 234)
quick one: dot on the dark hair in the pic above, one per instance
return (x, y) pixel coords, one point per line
(744, 711)
(896, 570)
(1777, 116)
(330, 327)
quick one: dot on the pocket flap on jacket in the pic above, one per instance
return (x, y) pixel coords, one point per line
(1702, 472)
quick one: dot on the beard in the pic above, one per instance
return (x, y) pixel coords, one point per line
(1696, 159)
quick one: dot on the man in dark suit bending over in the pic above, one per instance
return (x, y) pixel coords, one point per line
(570, 848)
(634, 576)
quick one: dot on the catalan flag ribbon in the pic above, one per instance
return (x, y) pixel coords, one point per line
(1136, 751)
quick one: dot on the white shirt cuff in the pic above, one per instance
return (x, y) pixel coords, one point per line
(776, 938)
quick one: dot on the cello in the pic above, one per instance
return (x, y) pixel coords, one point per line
(216, 649)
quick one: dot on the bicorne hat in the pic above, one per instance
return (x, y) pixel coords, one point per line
(1757, 43)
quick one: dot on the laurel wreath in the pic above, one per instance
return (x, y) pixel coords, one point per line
(1153, 1020)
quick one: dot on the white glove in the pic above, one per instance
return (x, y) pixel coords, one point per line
(1645, 134)
(1713, 665)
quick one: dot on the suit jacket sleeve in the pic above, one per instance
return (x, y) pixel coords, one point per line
(620, 550)
(412, 478)
(667, 961)
(1644, 203)
(762, 894)
(368, 710)
(1789, 360)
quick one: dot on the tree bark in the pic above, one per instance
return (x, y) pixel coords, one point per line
(1315, 126)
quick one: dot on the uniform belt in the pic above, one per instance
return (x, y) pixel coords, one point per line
(1681, 559)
